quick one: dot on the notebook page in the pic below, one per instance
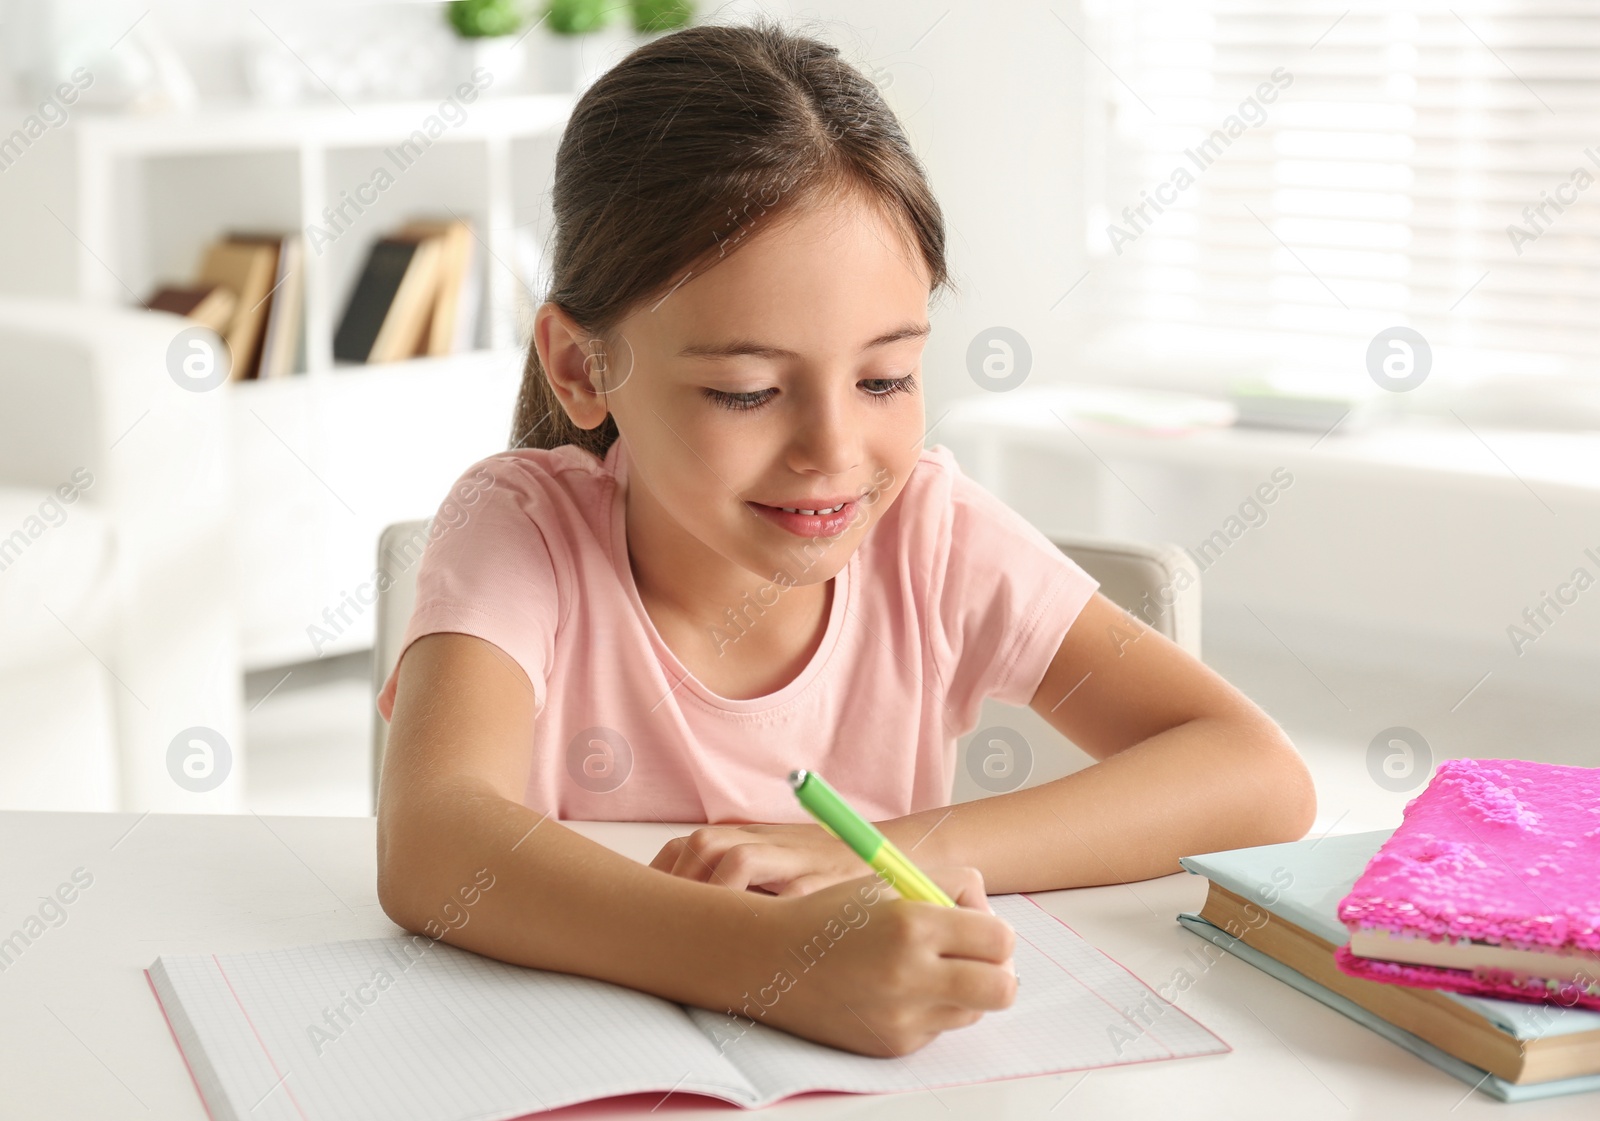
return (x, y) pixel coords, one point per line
(1075, 1009)
(405, 1027)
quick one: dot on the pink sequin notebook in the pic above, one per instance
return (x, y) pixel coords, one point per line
(1490, 885)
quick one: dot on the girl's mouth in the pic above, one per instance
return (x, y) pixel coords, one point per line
(809, 521)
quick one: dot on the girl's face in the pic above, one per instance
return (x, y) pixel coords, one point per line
(788, 375)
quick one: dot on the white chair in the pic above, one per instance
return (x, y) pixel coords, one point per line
(117, 608)
(400, 548)
(58, 703)
(1159, 583)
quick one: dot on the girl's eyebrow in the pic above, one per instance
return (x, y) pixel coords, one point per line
(750, 348)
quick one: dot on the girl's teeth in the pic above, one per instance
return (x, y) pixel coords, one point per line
(794, 510)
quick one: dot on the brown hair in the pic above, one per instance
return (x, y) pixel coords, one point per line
(672, 155)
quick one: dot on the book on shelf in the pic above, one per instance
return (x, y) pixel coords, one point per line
(280, 339)
(386, 318)
(210, 305)
(250, 291)
(443, 331)
(1275, 906)
(418, 294)
(248, 269)
(469, 301)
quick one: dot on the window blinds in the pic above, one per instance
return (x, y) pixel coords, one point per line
(1300, 177)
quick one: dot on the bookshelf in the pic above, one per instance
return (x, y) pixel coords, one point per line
(325, 458)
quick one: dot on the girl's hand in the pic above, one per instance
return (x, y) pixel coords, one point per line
(876, 974)
(780, 859)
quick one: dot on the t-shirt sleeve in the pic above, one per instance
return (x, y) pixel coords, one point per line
(1006, 599)
(487, 570)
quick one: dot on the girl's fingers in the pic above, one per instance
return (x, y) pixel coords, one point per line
(708, 863)
(692, 864)
(964, 885)
(667, 858)
(805, 885)
(700, 851)
(731, 858)
(949, 1016)
(745, 865)
(976, 985)
(988, 940)
(981, 937)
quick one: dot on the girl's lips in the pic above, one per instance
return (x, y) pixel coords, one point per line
(808, 525)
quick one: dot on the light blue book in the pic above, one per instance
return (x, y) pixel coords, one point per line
(1302, 883)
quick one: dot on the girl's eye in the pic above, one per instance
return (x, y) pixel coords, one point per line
(888, 387)
(875, 387)
(740, 400)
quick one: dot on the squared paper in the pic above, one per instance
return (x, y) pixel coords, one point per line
(406, 1027)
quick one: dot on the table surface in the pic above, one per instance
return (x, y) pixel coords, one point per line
(81, 1034)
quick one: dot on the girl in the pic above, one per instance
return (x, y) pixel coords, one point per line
(719, 551)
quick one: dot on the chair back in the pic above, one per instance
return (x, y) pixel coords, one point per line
(1158, 583)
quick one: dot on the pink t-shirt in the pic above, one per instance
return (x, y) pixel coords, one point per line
(951, 597)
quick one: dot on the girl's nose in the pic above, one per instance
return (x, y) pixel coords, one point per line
(827, 439)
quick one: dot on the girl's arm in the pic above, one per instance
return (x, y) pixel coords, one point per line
(1186, 764)
(462, 860)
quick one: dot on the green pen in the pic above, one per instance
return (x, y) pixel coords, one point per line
(835, 815)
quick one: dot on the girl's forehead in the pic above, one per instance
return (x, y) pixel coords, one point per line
(846, 251)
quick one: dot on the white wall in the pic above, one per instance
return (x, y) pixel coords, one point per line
(991, 95)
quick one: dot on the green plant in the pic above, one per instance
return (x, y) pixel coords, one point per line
(481, 19)
(578, 17)
(661, 15)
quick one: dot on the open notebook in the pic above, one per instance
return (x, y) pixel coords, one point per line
(452, 1034)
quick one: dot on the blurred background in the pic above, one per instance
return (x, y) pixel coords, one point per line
(1304, 291)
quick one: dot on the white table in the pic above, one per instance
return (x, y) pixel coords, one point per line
(81, 1034)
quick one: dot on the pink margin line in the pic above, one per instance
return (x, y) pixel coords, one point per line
(1139, 1027)
(971, 1082)
(1064, 1070)
(281, 1076)
(1170, 1053)
(173, 1032)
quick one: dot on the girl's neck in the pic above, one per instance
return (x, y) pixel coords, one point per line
(740, 634)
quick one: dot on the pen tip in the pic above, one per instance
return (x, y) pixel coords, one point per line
(796, 778)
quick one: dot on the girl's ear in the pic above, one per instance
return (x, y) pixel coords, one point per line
(568, 355)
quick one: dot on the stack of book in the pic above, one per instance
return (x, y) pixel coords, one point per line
(1490, 886)
(416, 295)
(248, 291)
(1305, 402)
(1279, 908)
